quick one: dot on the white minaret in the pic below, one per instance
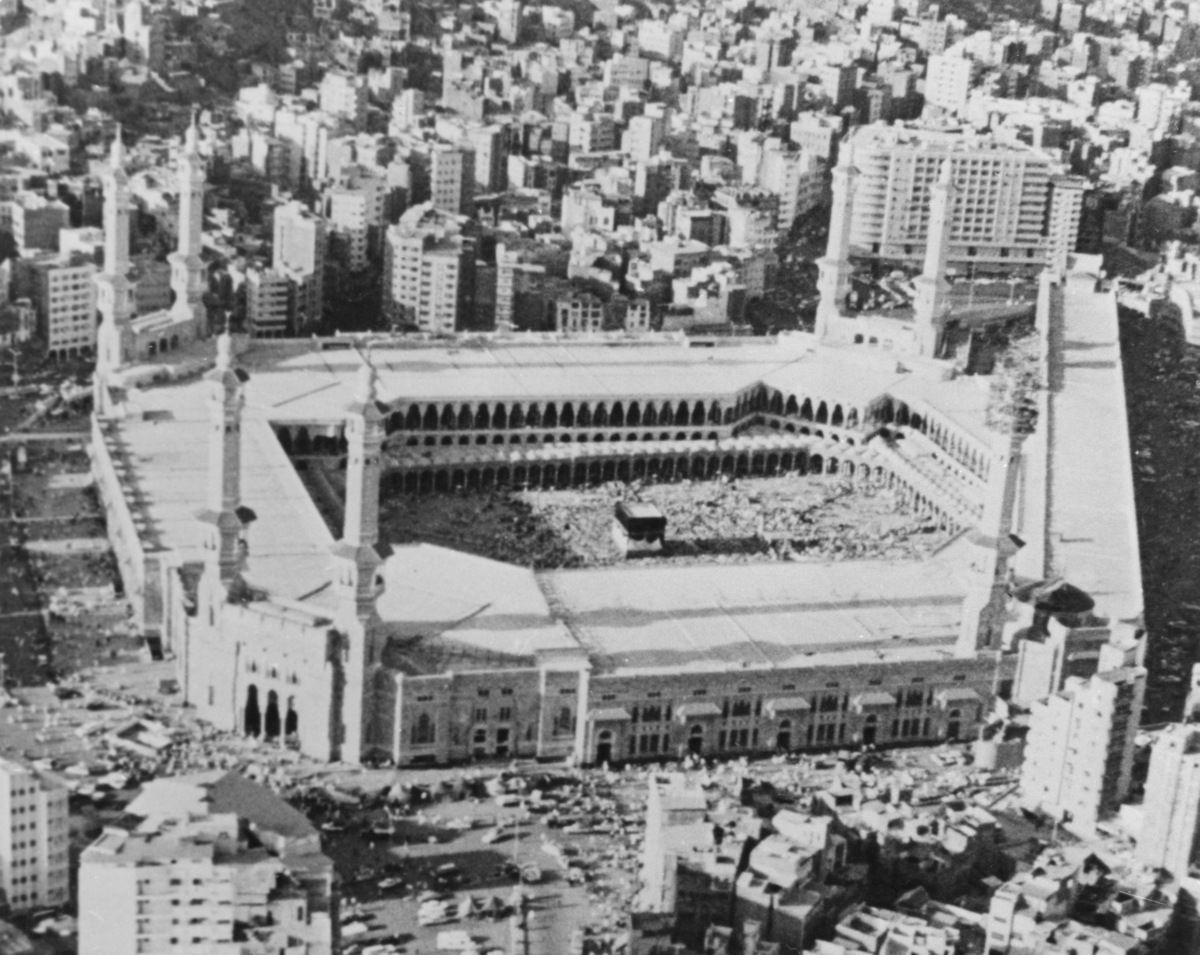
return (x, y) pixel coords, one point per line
(114, 296)
(222, 525)
(931, 302)
(357, 561)
(990, 548)
(187, 269)
(833, 279)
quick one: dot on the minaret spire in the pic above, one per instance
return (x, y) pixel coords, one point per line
(360, 529)
(223, 525)
(114, 299)
(356, 564)
(187, 269)
(833, 281)
(930, 303)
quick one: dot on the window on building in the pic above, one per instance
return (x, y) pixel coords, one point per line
(423, 730)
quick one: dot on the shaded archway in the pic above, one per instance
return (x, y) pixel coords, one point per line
(251, 714)
(870, 730)
(272, 722)
(696, 740)
(291, 722)
(604, 746)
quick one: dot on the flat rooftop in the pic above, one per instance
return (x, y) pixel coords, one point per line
(788, 614)
(1091, 525)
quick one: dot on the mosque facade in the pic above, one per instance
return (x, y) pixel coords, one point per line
(349, 648)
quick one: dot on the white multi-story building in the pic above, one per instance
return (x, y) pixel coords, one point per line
(407, 109)
(1005, 190)
(33, 838)
(1062, 223)
(64, 294)
(1170, 836)
(948, 81)
(349, 217)
(659, 40)
(1079, 754)
(344, 95)
(299, 254)
(644, 138)
(268, 303)
(591, 132)
(429, 270)
(508, 20)
(180, 882)
(796, 176)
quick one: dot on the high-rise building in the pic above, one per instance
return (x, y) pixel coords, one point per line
(33, 838)
(268, 303)
(645, 137)
(1007, 186)
(1079, 753)
(344, 95)
(1062, 225)
(349, 213)
(508, 20)
(407, 108)
(948, 81)
(491, 158)
(452, 178)
(299, 254)
(63, 292)
(796, 176)
(1170, 836)
(429, 269)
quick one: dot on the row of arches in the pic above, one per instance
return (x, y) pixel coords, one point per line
(818, 412)
(891, 411)
(267, 722)
(161, 346)
(787, 736)
(502, 416)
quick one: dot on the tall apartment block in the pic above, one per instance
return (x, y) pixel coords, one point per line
(948, 82)
(1079, 754)
(63, 292)
(299, 254)
(1007, 217)
(429, 270)
(491, 158)
(33, 838)
(1170, 836)
(452, 178)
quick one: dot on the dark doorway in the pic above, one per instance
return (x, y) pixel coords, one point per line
(696, 740)
(870, 731)
(271, 723)
(252, 717)
(291, 722)
(604, 747)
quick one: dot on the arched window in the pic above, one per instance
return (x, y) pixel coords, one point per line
(423, 730)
